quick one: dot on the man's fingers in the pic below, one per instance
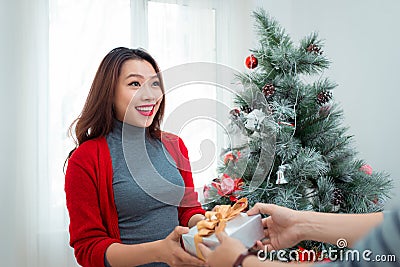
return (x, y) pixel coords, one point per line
(268, 248)
(264, 245)
(205, 251)
(265, 222)
(265, 241)
(266, 233)
(259, 245)
(221, 236)
(261, 208)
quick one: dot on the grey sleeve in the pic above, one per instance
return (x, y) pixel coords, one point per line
(381, 247)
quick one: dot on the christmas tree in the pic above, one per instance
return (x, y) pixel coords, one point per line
(289, 146)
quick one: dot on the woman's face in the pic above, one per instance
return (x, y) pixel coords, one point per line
(138, 94)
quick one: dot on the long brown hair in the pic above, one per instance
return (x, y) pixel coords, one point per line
(97, 116)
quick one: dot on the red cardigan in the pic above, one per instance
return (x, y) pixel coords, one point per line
(90, 197)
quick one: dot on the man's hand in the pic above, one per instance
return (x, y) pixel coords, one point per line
(225, 254)
(281, 228)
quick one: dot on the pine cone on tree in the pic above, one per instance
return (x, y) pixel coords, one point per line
(324, 97)
(268, 90)
(246, 108)
(313, 48)
(337, 197)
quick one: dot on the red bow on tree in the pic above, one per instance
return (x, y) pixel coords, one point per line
(227, 186)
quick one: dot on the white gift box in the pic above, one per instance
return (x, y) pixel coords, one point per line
(248, 229)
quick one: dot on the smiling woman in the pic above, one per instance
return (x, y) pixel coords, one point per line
(117, 89)
(139, 94)
(124, 216)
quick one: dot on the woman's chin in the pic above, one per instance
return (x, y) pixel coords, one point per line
(139, 122)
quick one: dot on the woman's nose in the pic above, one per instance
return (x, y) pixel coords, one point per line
(148, 93)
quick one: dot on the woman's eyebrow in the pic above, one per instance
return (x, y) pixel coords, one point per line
(140, 76)
(134, 75)
(155, 76)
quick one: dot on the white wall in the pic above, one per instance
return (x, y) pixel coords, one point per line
(362, 42)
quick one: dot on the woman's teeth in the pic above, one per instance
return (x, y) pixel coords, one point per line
(146, 109)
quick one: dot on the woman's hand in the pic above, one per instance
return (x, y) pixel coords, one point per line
(225, 254)
(195, 219)
(282, 228)
(173, 254)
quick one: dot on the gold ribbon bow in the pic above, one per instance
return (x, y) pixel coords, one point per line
(216, 221)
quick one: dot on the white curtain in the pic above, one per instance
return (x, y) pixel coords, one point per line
(24, 57)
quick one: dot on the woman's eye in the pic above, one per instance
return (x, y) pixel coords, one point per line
(136, 84)
(156, 83)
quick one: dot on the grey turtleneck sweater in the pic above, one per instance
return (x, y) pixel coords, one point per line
(147, 186)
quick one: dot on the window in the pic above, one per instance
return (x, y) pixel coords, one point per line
(179, 34)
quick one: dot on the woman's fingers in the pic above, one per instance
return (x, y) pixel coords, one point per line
(185, 258)
(178, 231)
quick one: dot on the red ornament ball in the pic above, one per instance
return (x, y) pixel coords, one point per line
(251, 62)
